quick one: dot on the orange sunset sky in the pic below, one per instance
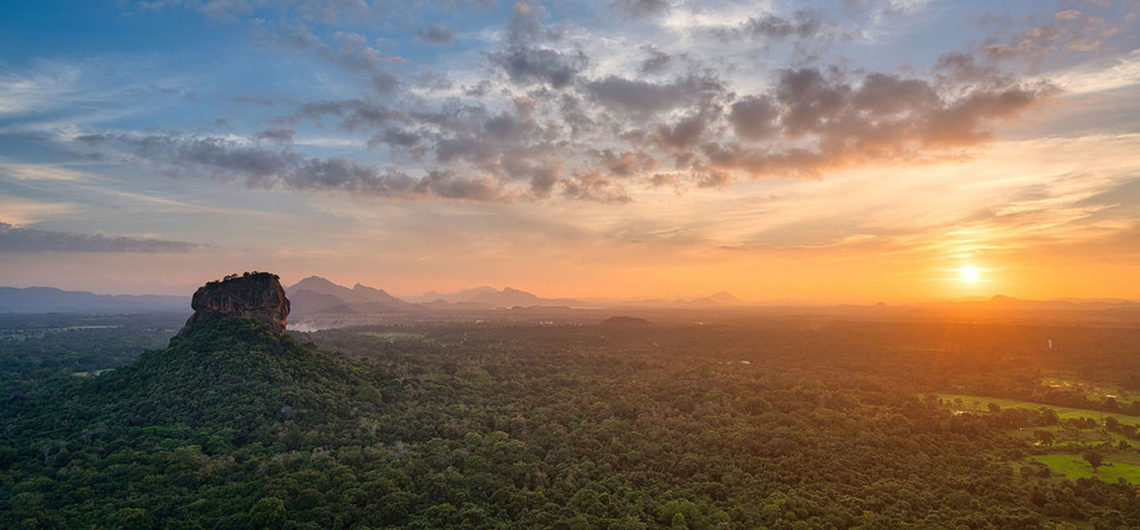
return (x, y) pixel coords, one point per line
(855, 151)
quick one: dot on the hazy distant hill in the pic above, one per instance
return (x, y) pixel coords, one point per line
(508, 297)
(52, 300)
(465, 295)
(722, 297)
(488, 298)
(318, 295)
(1008, 303)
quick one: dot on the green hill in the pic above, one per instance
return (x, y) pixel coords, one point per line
(186, 423)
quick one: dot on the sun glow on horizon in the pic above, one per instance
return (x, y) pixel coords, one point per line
(969, 274)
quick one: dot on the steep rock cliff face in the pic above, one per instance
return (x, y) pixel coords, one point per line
(257, 295)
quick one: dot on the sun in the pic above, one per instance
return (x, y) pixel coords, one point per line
(969, 274)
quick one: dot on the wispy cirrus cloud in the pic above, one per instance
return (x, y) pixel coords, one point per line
(39, 88)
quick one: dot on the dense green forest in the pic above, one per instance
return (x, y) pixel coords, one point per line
(769, 424)
(37, 346)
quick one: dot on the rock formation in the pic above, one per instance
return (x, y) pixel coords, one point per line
(256, 295)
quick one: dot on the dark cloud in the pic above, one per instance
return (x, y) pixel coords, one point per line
(685, 133)
(385, 83)
(281, 135)
(665, 179)
(802, 25)
(228, 10)
(436, 34)
(398, 138)
(93, 140)
(22, 239)
(829, 122)
(642, 8)
(354, 114)
(527, 61)
(626, 164)
(754, 117)
(810, 100)
(656, 61)
(256, 167)
(643, 98)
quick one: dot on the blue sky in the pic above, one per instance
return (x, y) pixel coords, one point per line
(629, 147)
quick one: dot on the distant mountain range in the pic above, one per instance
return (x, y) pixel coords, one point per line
(52, 300)
(487, 297)
(316, 295)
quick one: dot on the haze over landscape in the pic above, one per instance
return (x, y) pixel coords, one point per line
(606, 264)
(854, 151)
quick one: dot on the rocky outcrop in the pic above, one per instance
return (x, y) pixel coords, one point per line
(257, 295)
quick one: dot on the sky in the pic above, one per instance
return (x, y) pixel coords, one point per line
(849, 151)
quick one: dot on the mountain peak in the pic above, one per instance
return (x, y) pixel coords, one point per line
(723, 297)
(312, 282)
(254, 295)
(360, 287)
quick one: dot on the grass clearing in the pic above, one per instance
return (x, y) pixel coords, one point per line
(1091, 390)
(981, 404)
(1074, 467)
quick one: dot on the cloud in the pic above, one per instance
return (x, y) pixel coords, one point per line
(18, 210)
(348, 50)
(525, 59)
(642, 8)
(536, 111)
(828, 122)
(593, 186)
(1070, 31)
(229, 10)
(436, 34)
(40, 171)
(1120, 72)
(281, 135)
(803, 24)
(656, 61)
(685, 133)
(256, 167)
(37, 89)
(22, 239)
(643, 98)
(754, 117)
(354, 113)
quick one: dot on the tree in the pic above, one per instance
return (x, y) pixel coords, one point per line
(45, 451)
(1094, 459)
(268, 512)
(1045, 438)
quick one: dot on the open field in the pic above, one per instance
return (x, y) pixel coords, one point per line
(1074, 467)
(980, 404)
(1093, 391)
